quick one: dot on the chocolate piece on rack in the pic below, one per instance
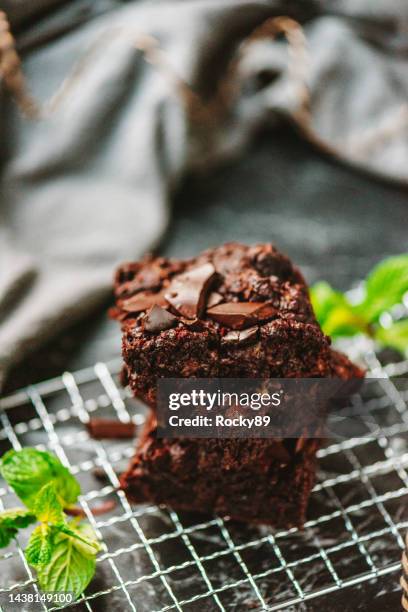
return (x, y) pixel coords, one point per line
(112, 429)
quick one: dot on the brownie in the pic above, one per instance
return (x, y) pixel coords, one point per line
(234, 311)
(252, 480)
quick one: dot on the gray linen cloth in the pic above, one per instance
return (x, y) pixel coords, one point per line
(91, 185)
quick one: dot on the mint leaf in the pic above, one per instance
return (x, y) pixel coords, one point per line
(88, 543)
(325, 300)
(11, 521)
(40, 546)
(72, 564)
(28, 470)
(344, 322)
(47, 507)
(395, 336)
(62, 553)
(334, 312)
(17, 517)
(385, 287)
(6, 535)
(66, 485)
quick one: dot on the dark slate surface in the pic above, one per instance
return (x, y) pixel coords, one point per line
(333, 222)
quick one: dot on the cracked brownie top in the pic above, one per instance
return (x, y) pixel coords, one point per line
(233, 311)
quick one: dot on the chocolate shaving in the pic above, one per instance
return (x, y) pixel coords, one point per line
(142, 301)
(112, 429)
(187, 292)
(158, 319)
(241, 314)
(240, 337)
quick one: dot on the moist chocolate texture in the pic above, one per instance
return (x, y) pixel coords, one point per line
(234, 311)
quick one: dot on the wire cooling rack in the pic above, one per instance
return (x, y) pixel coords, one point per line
(158, 559)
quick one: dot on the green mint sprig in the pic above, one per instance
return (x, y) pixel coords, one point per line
(11, 521)
(62, 551)
(384, 288)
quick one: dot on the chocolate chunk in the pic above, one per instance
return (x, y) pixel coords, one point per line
(213, 299)
(187, 292)
(242, 337)
(241, 314)
(148, 282)
(99, 428)
(158, 319)
(193, 324)
(142, 301)
(265, 312)
(269, 262)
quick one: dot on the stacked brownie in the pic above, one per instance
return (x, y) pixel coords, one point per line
(232, 312)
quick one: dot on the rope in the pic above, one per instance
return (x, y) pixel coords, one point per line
(228, 90)
(11, 73)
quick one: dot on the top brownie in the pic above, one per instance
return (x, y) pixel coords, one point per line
(234, 311)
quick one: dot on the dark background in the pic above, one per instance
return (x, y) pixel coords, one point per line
(334, 222)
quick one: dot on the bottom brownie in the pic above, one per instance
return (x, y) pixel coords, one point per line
(253, 480)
